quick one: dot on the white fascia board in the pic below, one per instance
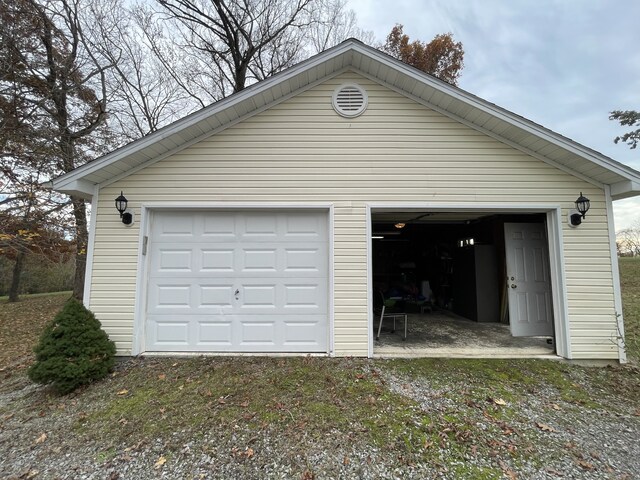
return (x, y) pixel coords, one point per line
(625, 189)
(78, 187)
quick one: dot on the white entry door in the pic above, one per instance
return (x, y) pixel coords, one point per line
(528, 280)
(238, 281)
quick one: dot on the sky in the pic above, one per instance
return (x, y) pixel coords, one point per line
(564, 64)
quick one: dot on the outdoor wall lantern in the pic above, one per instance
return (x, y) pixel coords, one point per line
(582, 207)
(121, 206)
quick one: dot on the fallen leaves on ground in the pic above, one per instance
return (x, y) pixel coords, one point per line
(544, 427)
(41, 438)
(160, 462)
(308, 475)
(123, 392)
(21, 324)
(508, 472)
(584, 464)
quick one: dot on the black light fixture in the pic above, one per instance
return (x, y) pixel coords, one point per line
(582, 207)
(121, 206)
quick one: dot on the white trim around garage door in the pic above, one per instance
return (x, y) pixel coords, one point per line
(556, 257)
(147, 209)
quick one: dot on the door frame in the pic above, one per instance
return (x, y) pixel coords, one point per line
(553, 219)
(509, 254)
(148, 209)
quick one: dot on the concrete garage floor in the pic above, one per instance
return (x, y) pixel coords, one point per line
(444, 334)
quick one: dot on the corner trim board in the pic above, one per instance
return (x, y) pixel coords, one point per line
(88, 271)
(615, 273)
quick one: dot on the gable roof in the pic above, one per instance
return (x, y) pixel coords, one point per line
(353, 55)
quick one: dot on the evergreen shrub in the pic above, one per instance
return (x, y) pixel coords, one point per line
(73, 350)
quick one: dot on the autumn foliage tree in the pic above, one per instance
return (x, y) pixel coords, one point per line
(31, 236)
(442, 57)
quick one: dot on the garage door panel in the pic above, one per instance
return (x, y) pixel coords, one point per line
(311, 259)
(219, 296)
(299, 226)
(169, 331)
(258, 260)
(171, 296)
(256, 227)
(304, 333)
(238, 281)
(217, 260)
(173, 225)
(258, 331)
(174, 260)
(259, 296)
(221, 227)
(214, 333)
(303, 297)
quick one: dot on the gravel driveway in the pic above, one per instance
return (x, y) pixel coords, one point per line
(537, 435)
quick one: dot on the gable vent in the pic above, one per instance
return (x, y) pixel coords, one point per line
(349, 100)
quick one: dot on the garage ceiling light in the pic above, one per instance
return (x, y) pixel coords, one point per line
(400, 225)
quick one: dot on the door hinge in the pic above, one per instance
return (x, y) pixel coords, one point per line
(145, 241)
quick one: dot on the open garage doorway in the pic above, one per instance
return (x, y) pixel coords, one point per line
(461, 284)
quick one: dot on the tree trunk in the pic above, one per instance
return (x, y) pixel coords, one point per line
(82, 236)
(15, 279)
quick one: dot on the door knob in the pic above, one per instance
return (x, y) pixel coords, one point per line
(513, 285)
(236, 293)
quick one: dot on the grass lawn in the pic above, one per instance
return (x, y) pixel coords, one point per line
(630, 283)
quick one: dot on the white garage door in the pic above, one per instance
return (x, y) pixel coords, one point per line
(239, 281)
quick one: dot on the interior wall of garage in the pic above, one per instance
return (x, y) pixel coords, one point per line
(301, 151)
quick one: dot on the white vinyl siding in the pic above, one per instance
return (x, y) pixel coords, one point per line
(301, 151)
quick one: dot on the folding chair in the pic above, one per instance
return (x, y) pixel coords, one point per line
(384, 307)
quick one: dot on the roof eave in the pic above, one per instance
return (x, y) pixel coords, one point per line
(81, 181)
(625, 189)
(77, 188)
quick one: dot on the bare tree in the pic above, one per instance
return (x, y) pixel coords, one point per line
(142, 96)
(212, 48)
(54, 97)
(335, 24)
(628, 240)
(233, 34)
